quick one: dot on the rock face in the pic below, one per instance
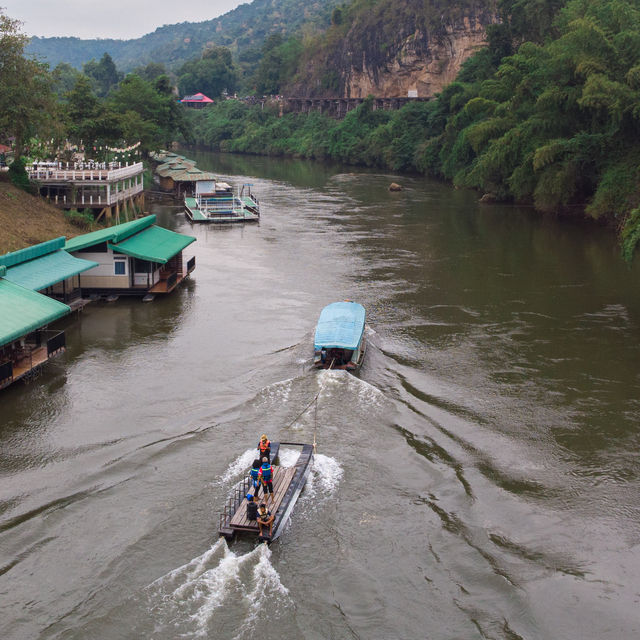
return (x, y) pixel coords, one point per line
(414, 69)
(415, 59)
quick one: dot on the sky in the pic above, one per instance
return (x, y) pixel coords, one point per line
(110, 18)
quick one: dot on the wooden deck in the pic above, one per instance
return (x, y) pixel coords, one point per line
(26, 364)
(281, 480)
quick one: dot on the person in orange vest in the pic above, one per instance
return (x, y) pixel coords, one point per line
(264, 447)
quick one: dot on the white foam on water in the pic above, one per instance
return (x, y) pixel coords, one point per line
(268, 592)
(288, 457)
(211, 588)
(189, 598)
(324, 479)
(187, 572)
(278, 391)
(239, 466)
(330, 380)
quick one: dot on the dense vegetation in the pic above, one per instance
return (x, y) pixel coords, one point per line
(45, 114)
(242, 30)
(548, 114)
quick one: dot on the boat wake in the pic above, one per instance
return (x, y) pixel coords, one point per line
(193, 597)
(331, 382)
(324, 479)
(239, 467)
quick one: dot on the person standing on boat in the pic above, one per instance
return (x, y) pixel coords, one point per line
(264, 447)
(253, 474)
(265, 518)
(265, 475)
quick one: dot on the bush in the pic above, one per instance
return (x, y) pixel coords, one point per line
(18, 176)
(82, 219)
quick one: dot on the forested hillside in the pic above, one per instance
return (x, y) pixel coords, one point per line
(243, 30)
(547, 114)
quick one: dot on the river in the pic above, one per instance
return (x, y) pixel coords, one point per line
(479, 478)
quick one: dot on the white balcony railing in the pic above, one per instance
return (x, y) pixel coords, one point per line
(53, 174)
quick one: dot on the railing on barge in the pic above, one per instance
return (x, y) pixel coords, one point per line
(238, 495)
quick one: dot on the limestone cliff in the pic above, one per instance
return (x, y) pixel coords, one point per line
(409, 52)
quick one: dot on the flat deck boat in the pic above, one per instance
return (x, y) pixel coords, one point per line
(249, 200)
(215, 201)
(339, 341)
(288, 483)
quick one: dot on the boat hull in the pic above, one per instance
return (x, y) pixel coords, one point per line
(354, 364)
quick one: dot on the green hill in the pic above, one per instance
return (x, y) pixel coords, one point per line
(243, 29)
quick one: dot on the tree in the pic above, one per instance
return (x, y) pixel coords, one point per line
(103, 73)
(27, 104)
(64, 78)
(211, 75)
(89, 119)
(152, 108)
(279, 62)
(152, 71)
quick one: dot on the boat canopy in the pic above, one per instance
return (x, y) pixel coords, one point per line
(340, 326)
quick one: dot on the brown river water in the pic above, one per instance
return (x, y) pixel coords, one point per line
(478, 479)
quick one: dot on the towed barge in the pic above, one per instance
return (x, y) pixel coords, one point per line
(288, 483)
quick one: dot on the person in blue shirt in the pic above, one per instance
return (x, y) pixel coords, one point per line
(265, 476)
(253, 474)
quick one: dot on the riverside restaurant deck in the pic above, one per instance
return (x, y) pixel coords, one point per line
(106, 187)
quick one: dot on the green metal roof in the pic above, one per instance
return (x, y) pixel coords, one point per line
(111, 234)
(46, 271)
(35, 251)
(24, 311)
(154, 244)
(192, 175)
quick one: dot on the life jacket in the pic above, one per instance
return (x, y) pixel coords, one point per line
(253, 472)
(263, 446)
(266, 472)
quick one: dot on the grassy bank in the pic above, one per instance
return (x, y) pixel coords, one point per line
(27, 220)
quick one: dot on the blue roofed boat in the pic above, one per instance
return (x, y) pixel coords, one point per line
(339, 342)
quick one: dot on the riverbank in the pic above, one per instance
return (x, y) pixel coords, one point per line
(26, 220)
(500, 382)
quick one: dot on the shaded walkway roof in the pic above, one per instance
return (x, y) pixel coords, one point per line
(116, 233)
(42, 265)
(24, 310)
(154, 244)
(48, 270)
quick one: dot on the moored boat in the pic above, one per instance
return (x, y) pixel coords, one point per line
(215, 201)
(288, 483)
(339, 340)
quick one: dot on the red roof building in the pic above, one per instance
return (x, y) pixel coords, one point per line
(196, 101)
